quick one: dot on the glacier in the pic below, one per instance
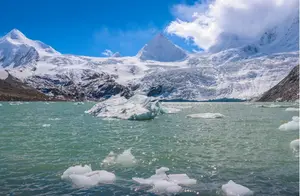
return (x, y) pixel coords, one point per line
(235, 69)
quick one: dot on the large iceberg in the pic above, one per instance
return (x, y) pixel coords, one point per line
(291, 125)
(166, 184)
(138, 107)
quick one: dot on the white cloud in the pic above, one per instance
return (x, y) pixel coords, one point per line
(108, 53)
(204, 21)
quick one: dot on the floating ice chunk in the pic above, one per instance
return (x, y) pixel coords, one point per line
(162, 170)
(291, 125)
(92, 178)
(294, 145)
(79, 103)
(138, 107)
(126, 158)
(292, 109)
(182, 179)
(172, 110)
(54, 119)
(206, 115)
(165, 184)
(274, 106)
(78, 169)
(165, 187)
(46, 125)
(15, 103)
(110, 159)
(0, 104)
(233, 189)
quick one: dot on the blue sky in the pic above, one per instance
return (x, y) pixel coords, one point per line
(89, 27)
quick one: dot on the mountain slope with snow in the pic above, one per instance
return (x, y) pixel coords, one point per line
(160, 69)
(16, 49)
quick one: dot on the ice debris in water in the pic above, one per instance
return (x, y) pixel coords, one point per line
(15, 103)
(274, 106)
(46, 125)
(166, 184)
(291, 125)
(206, 115)
(84, 177)
(233, 189)
(171, 110)
(138, 107)
(292, 109)
(0, 104)
(78, 169)
(79, 103)
(294, 145)
(126, 159)
(55, 119)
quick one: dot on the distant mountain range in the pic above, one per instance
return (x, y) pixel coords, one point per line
(231, 69)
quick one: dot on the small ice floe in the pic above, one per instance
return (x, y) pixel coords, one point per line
(274, 106)
(54, 119)
(84, 177)
(171, 110)
(206, 115)
(79, 103)
(77, 169)
(291, 125)
(16, 103)
(138, 107)
(125, 159)
(292, 109)
(233, 189)
(162, 183)
(0, 104)
(46, 125)
(294, 145)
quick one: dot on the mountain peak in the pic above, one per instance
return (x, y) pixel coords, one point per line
(17, 39)
(16, 35)
(161, 49)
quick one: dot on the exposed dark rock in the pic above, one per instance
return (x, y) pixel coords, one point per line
(12, 89)
(286, 90)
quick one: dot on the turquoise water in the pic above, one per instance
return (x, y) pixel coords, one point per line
(245, 146)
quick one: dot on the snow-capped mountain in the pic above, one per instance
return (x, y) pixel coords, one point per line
(161, 49)
(16, 49)
(160, 69)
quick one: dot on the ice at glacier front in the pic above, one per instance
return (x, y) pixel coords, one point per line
(138, 107)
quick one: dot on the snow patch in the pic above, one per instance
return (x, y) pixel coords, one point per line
(291, 125)
(233, 189)
(206, 115)
(165, 184)
(3, 74)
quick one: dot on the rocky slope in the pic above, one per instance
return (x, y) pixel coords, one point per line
(286, 90)
(12, 89)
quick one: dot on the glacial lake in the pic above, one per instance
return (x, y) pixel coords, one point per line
(39, 141)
